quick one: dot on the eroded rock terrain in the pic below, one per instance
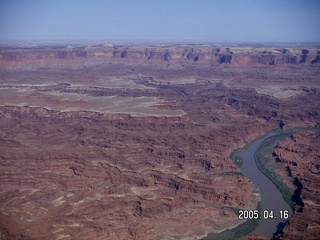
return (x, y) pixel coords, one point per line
(179, 54)
(300, 154)
(107, 142)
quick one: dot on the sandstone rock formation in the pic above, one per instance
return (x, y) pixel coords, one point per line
(301, 155)
(71, 169)
(203, 54)
(255, 237)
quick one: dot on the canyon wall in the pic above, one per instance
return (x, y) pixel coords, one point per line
(207, 55)
(300, 153)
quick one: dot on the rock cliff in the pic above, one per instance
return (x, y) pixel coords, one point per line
(198, 54)
(301, 155)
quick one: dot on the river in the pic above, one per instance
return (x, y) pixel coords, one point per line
(271, 197)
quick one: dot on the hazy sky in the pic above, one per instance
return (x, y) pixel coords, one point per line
(161, 20)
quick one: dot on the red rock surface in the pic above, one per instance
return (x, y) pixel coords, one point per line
(72, 174)
(185, 54)
(255, 237)
(301, 155)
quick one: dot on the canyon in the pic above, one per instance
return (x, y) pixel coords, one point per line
(133, 142)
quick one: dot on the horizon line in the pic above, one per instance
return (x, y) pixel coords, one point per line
(144, 41)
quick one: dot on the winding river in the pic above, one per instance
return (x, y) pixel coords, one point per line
(271, 197)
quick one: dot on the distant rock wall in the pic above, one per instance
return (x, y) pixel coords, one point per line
(166, 55)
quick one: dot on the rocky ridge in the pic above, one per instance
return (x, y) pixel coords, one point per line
(180, 54)
(300, 154)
